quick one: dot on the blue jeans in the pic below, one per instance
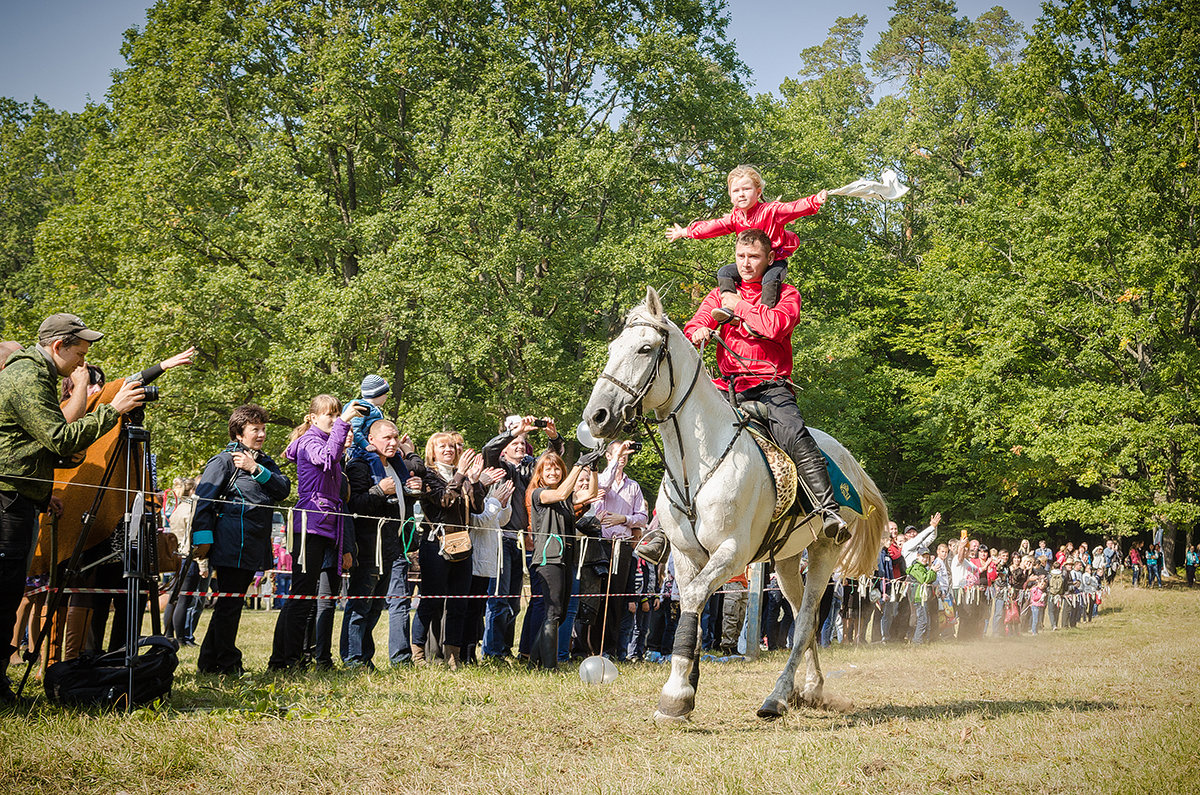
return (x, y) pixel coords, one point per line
(283, 587)
(1036, 610)
(829, 627)
(399, 605)
(710, 622)
(196, 608)
(361, 615)
(501, 616)
(567, 628)
(626, 634)
(636, 648)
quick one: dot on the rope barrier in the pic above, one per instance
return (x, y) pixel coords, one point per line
(288, 509)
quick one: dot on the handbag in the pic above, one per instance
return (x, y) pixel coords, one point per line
(454, 545)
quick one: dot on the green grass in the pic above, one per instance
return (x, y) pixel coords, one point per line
(1109, 707)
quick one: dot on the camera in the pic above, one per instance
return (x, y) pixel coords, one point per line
(635, 447)
(540, 423)
(151, 393)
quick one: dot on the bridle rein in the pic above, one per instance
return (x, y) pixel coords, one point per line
(686, 502)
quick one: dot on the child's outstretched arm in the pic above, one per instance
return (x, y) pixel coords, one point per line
(675, 232)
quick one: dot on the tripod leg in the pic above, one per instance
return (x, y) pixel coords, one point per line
(52, 604)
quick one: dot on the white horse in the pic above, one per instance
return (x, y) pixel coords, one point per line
(717, 498)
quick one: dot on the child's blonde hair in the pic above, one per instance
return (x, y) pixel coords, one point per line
(752, 173)
(321, 404)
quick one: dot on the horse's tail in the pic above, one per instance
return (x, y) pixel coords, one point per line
(860, 554)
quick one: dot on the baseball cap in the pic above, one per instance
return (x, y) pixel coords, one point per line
(62, 324)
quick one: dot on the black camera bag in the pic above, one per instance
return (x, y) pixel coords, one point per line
(103, 680)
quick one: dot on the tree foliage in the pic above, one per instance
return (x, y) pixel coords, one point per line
(467, 197)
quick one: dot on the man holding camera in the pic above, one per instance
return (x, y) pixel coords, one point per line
(34, 437)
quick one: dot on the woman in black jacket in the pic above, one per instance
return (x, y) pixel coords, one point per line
(231, 526)
(447, 498)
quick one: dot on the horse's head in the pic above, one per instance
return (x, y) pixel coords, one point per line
(631, 384)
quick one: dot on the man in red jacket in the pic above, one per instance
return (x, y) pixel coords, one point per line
(761, 338)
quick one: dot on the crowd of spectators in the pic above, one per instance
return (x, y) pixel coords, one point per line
(458, 548)
(557, 542)
(453, 545)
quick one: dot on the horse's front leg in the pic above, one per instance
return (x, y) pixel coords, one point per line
(678, 697)
(822, 556)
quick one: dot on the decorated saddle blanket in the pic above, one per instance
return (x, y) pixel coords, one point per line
(783, 472)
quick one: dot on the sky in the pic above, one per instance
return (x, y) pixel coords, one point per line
(64, 51)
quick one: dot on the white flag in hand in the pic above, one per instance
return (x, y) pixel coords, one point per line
(889, 188)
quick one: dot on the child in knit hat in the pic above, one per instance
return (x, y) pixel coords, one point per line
(373, 392)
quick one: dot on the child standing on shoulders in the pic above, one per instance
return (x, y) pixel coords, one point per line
(751, 212)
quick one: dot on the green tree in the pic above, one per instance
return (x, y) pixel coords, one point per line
(40, 149)
(1067, 286)
(465, 197)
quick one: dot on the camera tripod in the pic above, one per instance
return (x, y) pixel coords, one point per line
(138, 544)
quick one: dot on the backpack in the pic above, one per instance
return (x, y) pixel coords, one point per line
(1056, 584)
(103, 680)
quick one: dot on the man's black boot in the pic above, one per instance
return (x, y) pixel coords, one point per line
(811, 466)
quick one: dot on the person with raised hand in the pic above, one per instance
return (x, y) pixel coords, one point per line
(510, 450)
(551, 539)
(34, 436)
(317, 447)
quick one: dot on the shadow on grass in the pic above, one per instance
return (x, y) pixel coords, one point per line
(987, 709)
(808, 719)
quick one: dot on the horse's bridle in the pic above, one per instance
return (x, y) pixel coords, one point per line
(688, 506)
(639, 394)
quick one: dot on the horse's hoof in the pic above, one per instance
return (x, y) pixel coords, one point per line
(806, 698)
(772, 708)
(660, 717)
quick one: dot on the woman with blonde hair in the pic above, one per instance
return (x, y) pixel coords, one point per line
(450, 490)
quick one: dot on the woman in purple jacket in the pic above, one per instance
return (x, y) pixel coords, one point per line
(316, 448)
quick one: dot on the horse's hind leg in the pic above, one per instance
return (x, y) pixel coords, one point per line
(822, 556)
(678, 696)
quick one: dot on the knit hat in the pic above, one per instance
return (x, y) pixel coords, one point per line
(373, 386)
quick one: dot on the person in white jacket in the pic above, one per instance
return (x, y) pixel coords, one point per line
(486, 529)
(925, 538)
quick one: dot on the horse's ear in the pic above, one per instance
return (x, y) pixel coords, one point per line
(654, 306)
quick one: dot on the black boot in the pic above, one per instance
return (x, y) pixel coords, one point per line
(548, 645)
(770, 293)
(727, 282)
(811, 467)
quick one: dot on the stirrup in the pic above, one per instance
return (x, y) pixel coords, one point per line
(653, 548)
(835, 526)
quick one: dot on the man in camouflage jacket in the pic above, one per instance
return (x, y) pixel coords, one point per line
(34, 435)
